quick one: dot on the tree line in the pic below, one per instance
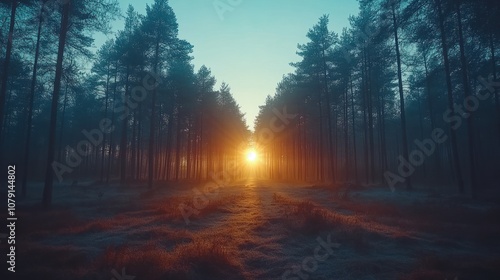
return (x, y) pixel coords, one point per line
(406, 95)
(136, 110)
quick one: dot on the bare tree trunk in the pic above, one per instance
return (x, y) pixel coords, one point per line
(370, 118)
(467, 91)
(454, 145)
(401, 94)
(103, 162)
(111, 138)
(346, 132)
(6, 67)
(494, 69)
(61, 128)
(432, 117)
(152, 126)
(24, 178)
(49, 174)
(354, 135)
(123, 141)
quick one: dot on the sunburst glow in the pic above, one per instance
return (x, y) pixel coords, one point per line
(251, 156)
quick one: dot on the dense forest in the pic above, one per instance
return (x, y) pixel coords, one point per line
(406, 95)
(362, 107)
(142, 112)
(375, 158)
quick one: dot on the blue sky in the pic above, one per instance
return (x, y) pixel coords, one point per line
(250, 44)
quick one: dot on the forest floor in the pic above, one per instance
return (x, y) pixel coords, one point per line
(254, 229)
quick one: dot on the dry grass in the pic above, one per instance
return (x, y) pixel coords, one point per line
(444, 219)
(51, 262)
(311, 219)
(171, 209)
(199, 259)
(240, 237)
(355, 230)
(99, 225)
(38, 222)
(462, 268)
(313, 213)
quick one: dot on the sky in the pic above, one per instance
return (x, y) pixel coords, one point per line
(248, 44)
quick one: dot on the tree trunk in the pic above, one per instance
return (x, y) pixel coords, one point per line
(5, 75)
(49, 174)
(467, 91)
(30, 107)
(354, 135)
(152, 126)
(123, 142)
(401, 94)
(454, 145)
(103, 148)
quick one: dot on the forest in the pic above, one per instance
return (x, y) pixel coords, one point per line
(126, 161)
(360, 98)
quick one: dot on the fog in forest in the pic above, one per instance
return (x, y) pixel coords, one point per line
(124, 156)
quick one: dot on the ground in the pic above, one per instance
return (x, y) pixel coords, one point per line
(255, 229)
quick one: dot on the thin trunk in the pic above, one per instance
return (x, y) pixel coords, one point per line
(467, 91)
(432, 115)
(401, 94)
(61, 128)
(123, 142)
(365, 118)
(103, 148)
(454, 145)
(111, 138)
(370, 119)
(178, 148)
(346, 132)
(24, 177)
(5, 75)
(320, 139)
(49, 174)
(354, 135)
(329, 118)
(152, 126)
(494, 69)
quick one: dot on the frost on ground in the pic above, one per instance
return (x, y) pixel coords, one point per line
(256, 230)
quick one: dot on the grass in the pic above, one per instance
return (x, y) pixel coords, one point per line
(171, 209)
(312, 219)
(51, 262)
(199, 259)
(253, 233)
(430, 267)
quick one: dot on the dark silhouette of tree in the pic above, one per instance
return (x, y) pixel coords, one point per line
(81, 15)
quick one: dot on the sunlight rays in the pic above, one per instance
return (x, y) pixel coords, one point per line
(251, 156)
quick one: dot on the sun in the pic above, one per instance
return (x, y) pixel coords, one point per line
(251, 156)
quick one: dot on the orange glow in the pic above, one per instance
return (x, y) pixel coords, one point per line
(251, 156)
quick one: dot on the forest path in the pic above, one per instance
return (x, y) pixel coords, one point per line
(255, 229)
